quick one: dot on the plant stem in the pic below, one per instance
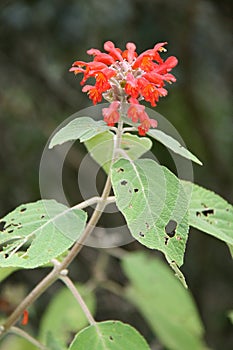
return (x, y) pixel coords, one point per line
(93, 200)
(54, 274)
(28, 337)
(47, 281)
(67, 281)
(129, 129)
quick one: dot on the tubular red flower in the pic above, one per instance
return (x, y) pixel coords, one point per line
(124, 77)
(93, 93)
(131, 87)
(111, 114)
(114, 52)
(145, 126)
(135, 112)
(130, 54)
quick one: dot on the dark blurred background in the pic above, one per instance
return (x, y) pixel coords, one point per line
(39, 39)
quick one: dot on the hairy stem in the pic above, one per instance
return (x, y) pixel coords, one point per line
(67, 281)
(56, 272)
(93, 200)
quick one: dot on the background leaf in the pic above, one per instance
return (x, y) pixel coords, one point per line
(154, 205)
(109, 335)
(230, 316)
(64, 316)
(52, 343)
(82, 128)
(16, 343)
(35, 233)
(101, 147)
(167, 306)
(210, 213)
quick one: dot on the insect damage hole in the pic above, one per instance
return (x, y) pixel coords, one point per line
(22, 210)
(141, 234)
(170, 228)
(2, 224)
(208, 212)
(124, 182)
(147, 225)
(111, 338)
(136, 190)
(120, 170)
(205, 212)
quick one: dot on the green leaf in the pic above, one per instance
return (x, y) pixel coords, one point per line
(210, 213)
(101, 147)
(6, 271)
(109, 335)
(168, 142)
(154, 205)
(230, 246)
(173, 145)
(35, 233)
(167, 306)
(82, 128)
(64, 315)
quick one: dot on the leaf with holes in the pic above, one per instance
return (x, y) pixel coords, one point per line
(166, 305)
(64, 316)
(82, 128)
(35, 233)
(210, 213)
(111, 335)
(169, 142)
(101, 147)
(154, 205)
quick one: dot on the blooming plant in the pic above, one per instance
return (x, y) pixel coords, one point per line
(157, 207)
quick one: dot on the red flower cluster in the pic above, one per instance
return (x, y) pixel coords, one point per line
(126, 77)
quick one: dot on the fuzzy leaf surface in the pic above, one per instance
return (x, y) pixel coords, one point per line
(35, 233)
(154, 204)
(82, 129)
(101, 147)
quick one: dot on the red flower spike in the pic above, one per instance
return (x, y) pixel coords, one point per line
(24, 321)
(124, 77)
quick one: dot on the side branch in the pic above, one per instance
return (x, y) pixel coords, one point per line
(69, 284)
(101, 203)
